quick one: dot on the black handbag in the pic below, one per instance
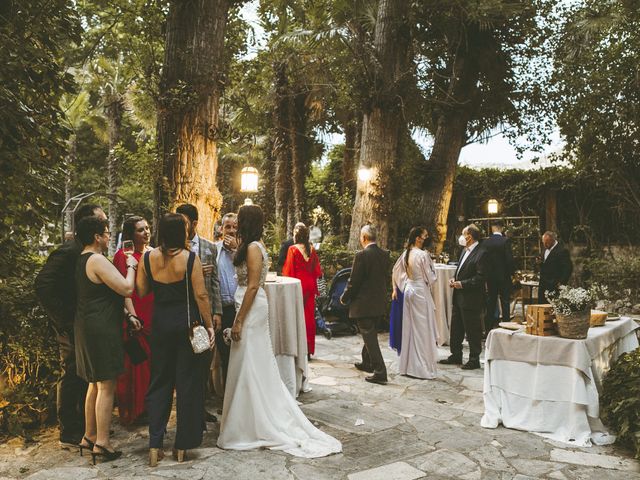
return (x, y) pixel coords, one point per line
(136, 353)
(132, 347)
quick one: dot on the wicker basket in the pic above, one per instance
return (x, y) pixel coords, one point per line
(574, 326)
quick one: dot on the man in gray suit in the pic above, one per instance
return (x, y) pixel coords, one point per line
(366, 294)
(208, 254)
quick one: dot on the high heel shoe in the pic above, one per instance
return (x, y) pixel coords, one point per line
(107, 455)
(89, 445)
(155, 455)
(180, 455)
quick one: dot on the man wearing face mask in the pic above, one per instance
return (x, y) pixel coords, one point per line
(468, 300)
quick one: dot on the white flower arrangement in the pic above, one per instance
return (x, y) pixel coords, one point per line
(571, 300)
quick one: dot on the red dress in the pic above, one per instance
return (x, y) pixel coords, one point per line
(134, 382)
(308, 272)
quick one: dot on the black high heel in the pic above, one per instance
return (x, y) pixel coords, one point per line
(88, 447)
(107, 455)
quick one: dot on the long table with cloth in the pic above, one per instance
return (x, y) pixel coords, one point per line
(443, 298)
(550, 385)
(288, 331)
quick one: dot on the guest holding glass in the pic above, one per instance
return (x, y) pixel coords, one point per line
(413, 274)
(174, 275)
(98, 331)
(134, 382)
(302, 263)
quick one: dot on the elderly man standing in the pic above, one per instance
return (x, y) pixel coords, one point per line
(366, 295)
(468, 300)
(555, 266)
(228, 283)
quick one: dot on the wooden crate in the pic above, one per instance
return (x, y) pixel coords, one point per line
(540, 320)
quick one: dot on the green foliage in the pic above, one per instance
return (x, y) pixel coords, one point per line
(620, 400)
(620, 276)
(34, 36)
(28, 357)
(597, 95)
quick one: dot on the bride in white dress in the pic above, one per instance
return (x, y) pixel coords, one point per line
(259, 411)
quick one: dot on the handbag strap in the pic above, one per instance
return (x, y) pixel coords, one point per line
(187, 279)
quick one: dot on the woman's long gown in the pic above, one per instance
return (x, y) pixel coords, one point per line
(308, 272)
(134, 382)
(419, 353)
(258, 409)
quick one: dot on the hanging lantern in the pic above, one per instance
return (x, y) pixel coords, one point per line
(492, 207)
(249, 180)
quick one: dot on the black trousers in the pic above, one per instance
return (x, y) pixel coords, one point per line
(71, 392)
(469, 321)
(371, 354)
(174, 365)
(228, 316)
(497, 288)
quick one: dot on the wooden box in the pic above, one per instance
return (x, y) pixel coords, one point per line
(540, 320)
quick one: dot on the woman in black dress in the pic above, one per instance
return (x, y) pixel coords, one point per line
(100, 290)
(174, 275)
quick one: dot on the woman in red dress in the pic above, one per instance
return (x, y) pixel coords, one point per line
(302, 263)
(134, 382)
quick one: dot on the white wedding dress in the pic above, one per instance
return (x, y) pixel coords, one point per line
(259, 411)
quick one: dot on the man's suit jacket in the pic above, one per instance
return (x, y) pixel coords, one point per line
(55, 285)
(556, 269)
(472, 275)
(367, 286)
(499, 257)
(209, 254)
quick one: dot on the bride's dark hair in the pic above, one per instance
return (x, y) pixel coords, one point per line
(411, 241)
(250, 225)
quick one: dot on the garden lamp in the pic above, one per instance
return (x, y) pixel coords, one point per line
(248, 182)
(492, 207)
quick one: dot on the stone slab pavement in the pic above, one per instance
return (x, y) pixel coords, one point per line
(408, 429)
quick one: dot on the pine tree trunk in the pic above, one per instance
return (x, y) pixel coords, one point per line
(282, 149)
(450, 137)
(349, 156)
(190, 89)
(114, 109)
(381, 124)
(299, 154)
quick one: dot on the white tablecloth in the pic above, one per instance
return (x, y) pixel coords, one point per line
(443, 298)
(527, 389)
(288, 331)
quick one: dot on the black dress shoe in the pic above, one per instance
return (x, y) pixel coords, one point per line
(363, 368)
(471, 365)
(376, 379)
(451, 360)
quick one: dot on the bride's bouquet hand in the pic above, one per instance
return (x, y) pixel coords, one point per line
(235, 331)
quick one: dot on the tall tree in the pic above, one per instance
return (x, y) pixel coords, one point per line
(190, 88)
(382, 121)
(479, 55)
(597, 95)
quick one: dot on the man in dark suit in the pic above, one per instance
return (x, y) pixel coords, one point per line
(366, 295)
(55, 288)
(499, 259)
(468, 300)
(556, 266)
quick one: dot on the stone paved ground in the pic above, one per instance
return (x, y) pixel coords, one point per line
(408, 429)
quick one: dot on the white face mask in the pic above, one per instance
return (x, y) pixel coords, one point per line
(462, 241)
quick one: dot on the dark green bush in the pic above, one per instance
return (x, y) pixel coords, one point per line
(621, 400)
(28, 357)
(622, 277)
